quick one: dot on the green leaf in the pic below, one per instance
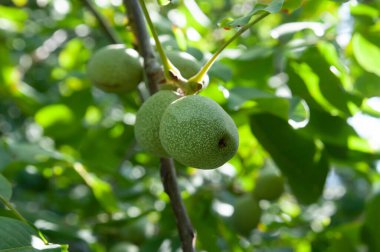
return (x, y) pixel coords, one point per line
(366, 53)
(364, 10)
(251, 71)
(14, 18)
(330, 74)
(340, 139)
(73, 55)
(52, 114)
(371, 225)
(180, 37)
(57, 120)
(273, 7)
(101, 189)
(17, 236)
(224, 23)
(13, 13)
(368, 84)
(240, 95)
(292, 5)
(106, 159)
(370, 110)
(313, 81)
(304, 83)
(5, 156)
(164, 2)
(288, 29)
(220, 71)
(332, 61)
(5, 188)
(33, 153)
(257, 100)
(301, 160)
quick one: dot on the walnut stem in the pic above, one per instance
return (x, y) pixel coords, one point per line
(102, 22)
(155, 75)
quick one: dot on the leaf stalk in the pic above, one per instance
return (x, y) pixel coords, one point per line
(198, 78)
(22, 219)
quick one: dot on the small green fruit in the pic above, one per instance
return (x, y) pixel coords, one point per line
(186, 64)
(269, 187)
(247, 214)
(148, 121)
(115, 68)
(197, 132)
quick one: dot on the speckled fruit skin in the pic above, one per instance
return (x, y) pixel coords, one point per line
(148, 119)
(115, 68)
(268, 187)
(197, 132)
(246, 215)
(186, 64)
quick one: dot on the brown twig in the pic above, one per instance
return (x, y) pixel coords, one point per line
(184, 226)
(155, 76)
(154, 72)
(102, 22)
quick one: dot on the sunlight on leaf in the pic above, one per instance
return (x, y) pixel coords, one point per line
(301, 160)
(33, 153)
(164, 2)
(54, 114)
(371, 224)
(17, 236)
(101, 189)
(180, 38)
(294, 109)
(12, 18)
(290, 28)
(362, 9)
(311, 81)
(366, 53)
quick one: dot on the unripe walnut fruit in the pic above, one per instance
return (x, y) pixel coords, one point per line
(197, 132)
(268, 187)
(115, 68)
(247, 214)
(148, 120)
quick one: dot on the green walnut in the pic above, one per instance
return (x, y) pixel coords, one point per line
(269, 187)
(115, 68)
(148, 119)
(247, 214)
(186, 64)
(197, 132)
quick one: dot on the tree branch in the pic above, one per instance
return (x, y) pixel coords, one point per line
(184, 226)
(154, 72)
(155, 76)
(102, 22)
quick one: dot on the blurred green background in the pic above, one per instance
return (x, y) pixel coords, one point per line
(303, 87)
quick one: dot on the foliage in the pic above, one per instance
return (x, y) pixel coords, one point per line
(297, 84)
